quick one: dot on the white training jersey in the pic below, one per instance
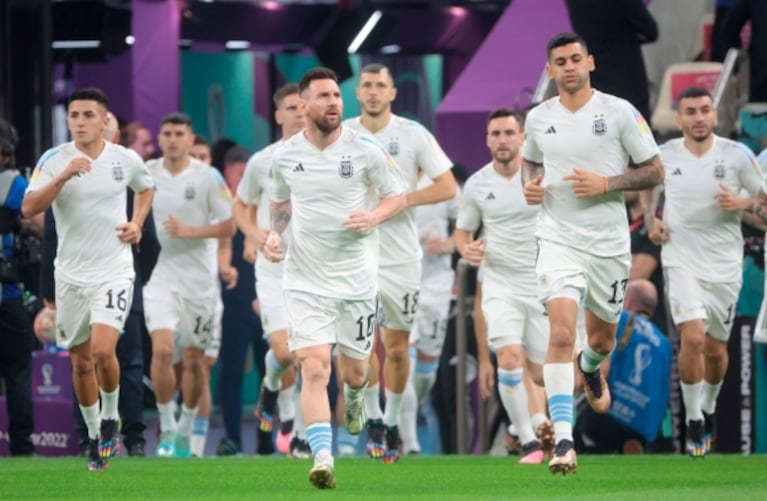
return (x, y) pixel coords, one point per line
(509, 226)
(761, 159)
(196, 196)
(600, 137)
(324, 187)
(87, 210)
(413, 147)
(433, 220)
(703, 238)
(254, 190)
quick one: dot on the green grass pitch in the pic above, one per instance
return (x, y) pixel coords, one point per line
(644, 478)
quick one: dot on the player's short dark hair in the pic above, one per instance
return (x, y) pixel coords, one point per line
(236, 154)
(375, 68)
(286, 90)
(691, 92)
(506, 112)
(319, 73)
(176, 118)
(562, 39)
(89, 94)
(199, 140)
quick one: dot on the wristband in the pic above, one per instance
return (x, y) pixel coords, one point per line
(604, 184)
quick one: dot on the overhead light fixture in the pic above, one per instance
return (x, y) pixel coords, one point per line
(269, 5)
(364, 32)
(130, 40)
(237, 45)
(76, 44)
(391, 49)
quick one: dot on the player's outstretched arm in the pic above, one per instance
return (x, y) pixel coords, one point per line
(646, 175)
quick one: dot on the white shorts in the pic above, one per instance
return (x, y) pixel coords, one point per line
(191, 318)
(399, 287)
(597, 282)
(218, 315)
(430, 327)
(692, 299)
(79, 307)
(272, 302)
(515, 319)
(316, 320)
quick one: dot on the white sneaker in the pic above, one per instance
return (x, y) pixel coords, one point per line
(165, 444)
(322, 473)
(355, 415)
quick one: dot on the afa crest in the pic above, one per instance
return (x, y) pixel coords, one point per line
(189, 192)
(599, 127)
(346, 168)
(117, 172)
(719, 171)
(394, 148)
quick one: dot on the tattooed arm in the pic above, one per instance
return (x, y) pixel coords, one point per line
(532, 177)
(279, 215)
(648, 174)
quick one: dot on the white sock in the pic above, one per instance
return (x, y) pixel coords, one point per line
(109, 403)
(273, 371)
(167, 413)
(373, 402)
(409, 419)
(286, 406)
(692, 396)
(199, 435)
(710, 394)
(589, 360)
(423, 383)
(559, 381)
(393, 408)
(92, 420)
(186, 420)
(514, 398)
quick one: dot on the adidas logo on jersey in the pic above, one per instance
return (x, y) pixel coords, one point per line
(551, 130)
(676, 172)
(298, 168)
(490, 196)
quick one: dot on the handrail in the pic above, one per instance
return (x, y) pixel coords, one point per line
(461, 332)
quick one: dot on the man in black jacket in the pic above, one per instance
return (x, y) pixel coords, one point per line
(614, 31)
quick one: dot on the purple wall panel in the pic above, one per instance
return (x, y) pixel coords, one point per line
(156, 26)
(501, 74)
(115, 78)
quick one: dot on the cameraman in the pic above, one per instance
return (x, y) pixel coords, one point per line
(15, 326)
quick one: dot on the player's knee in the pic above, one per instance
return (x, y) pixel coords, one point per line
(693, 342)
(562, 337)
(314, 370)
(82, 366)
(510, 357)
(397, 353)
(283, 356)
(162, 355)
(103, 355)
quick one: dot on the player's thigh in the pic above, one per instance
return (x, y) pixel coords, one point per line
(504, 317)
(399, 290)
(685, 295)
(211, 352)
(161, 308)
(72, 315)
(355, 327)
(607, 278)
(536, 329)
(721, 299)
(195, 324)
(561, 272)
(311, 319)
(430, 327)
(272, 302)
